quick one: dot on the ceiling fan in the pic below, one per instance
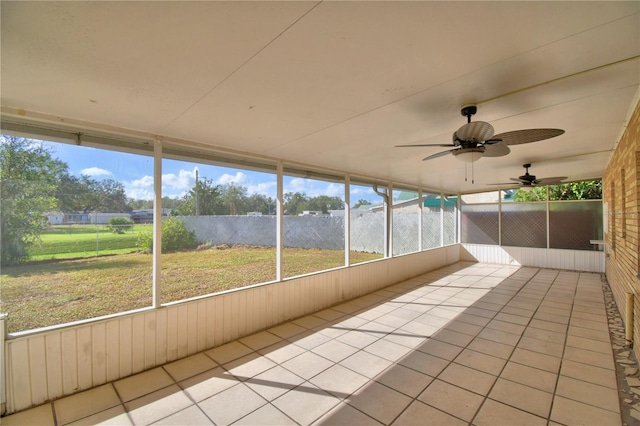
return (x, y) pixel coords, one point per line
(476, 139)
(528, 182)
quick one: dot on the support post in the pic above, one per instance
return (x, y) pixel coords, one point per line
(280, 220)
(347, 220)
(385, 194)
(157, 222)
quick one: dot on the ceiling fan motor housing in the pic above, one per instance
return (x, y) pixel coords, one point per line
(468, 111)
(527, 177)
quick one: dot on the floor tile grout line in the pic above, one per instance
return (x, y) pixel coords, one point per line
(196, 403)
(394, 363)
(124, 408)
(486, 397)
(563, 359)
(449, 362)
(564, 348)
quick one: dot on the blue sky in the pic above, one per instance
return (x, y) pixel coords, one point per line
(135, 172)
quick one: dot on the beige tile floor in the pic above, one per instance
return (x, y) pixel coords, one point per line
(467, 344)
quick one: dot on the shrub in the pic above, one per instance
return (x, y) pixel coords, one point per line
(175, 236)
(118, 225)
(145, 241)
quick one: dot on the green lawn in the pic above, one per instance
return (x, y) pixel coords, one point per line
(39, 294)
(76, 241)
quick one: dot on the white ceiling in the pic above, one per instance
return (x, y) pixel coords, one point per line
(336, 84)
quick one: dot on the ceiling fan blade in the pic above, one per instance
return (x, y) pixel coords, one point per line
(497, 149)
(439, 154)
(518, 137)
(520, 180)
(444, 145)
(503, 183)
(478, 131)
(550, 180)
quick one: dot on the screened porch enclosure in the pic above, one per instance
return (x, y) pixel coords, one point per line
(241, 222)
(180, 311)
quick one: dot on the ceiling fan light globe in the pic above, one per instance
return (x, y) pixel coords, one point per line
(527, 188)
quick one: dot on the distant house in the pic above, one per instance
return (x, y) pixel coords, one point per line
(145, 215)
(59, 218)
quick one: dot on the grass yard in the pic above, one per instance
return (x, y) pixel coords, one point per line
(76, 241)
(40, 294)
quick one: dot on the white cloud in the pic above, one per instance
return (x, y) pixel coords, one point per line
(183, 181)
(139, 194)
(264, 188)
(95, 171)
(334, 190)
(143, 182)
(297, 185)
(239, 179)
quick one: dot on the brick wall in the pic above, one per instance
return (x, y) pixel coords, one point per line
(621, 188)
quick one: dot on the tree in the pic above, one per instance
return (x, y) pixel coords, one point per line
(203, 199)
(323, 203)
(111, 196)
(142, 204)
(167, 203)
(29, 178)
(362, 202)
(234, 198)
(72, 194)
(83, 194)
(261, 203)
(585, 190)
(294, 202)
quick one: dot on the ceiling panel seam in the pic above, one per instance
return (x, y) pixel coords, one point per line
(232, 73)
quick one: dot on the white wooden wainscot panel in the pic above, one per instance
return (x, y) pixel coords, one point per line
(534, 257)
(138, 343)
(69, 362)
(19, 386)
(273, 305)
(578, 260)
(150, 339)
(234, 314)
(126, 346)
(242, 313)
(53, 343)
(560, 259)
(38, 371)
(98, 353)
(192, 328)
(113, 350)
(219, 315)
(183, 330)
(172, 333)
(161, 336)
(84, 349)
(590, 261)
